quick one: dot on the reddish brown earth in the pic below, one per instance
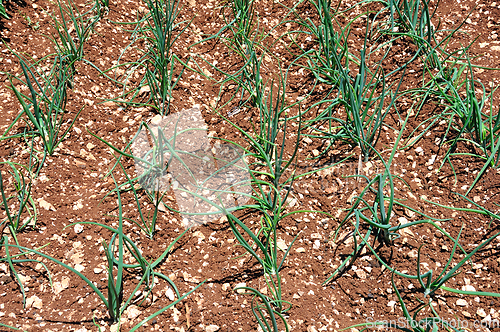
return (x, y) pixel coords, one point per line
(73, 181)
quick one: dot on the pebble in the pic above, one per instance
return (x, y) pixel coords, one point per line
(170, 294)
(412, 254)
(481, 313)
(78, 228)
(83, 329)
(79, 267)
(468, 288)
(199, 235)
(361, 274)
(212, 328)
(241, 284)
(281, 245)
(410, 213)
(291, 201)
(299, 250)
(46, 205)
(34, 301)
(133, 312)
(462, 303)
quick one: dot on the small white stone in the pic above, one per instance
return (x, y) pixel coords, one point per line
(133, 312)
(170, 294)
(82, 329)
(241, 284)
(212, 328)
(79, 267)
(481, 313)
(468, 288)
(78, 228)
(462, 303)
(34, 301)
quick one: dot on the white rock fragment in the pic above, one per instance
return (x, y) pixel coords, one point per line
(241, 284)
(361, 274)
(170, 294)
(34, 301)
(282, 245)
(133, 312)
(462, 303)
(46, 205)
(59, 286)
(481, 313)
(212, 328)
(78, 228)
(199, 235)
(468, 288)
(82, 329)
(291, 201)
(79, 267)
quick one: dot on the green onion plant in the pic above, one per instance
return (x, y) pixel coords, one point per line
(25, 203)
(115, 301)
(73, 30)
(3, 12)
(159, 60)
(44, 105)
(263, 311)
(332, 54)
